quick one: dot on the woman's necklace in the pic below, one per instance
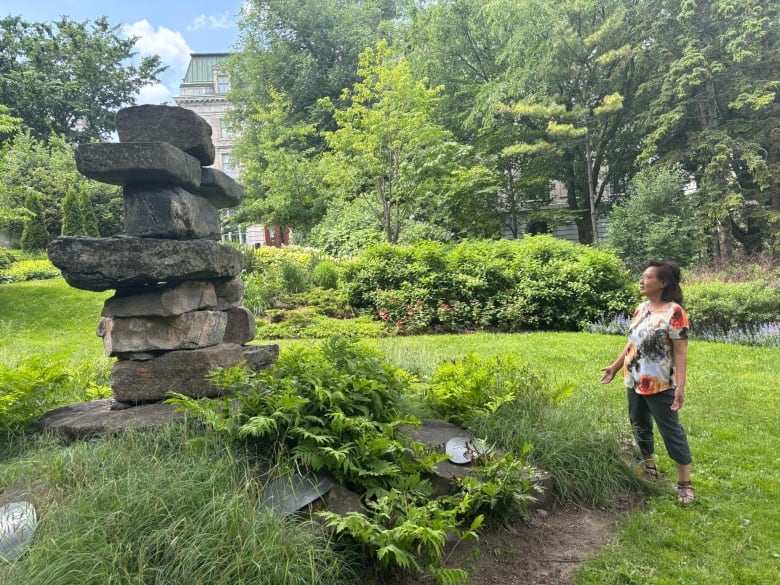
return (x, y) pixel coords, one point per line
(651, 309)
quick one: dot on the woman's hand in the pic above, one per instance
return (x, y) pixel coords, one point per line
(609, 373)
(679, 398)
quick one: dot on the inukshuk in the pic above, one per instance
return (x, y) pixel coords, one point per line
(177, 312)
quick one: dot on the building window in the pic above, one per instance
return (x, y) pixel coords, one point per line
(224, 130)
(227, 165)
(223, 85)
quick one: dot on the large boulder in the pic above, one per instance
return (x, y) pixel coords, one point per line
(100, 264)
(230, 293)
(181, 127)
(127, 163)
(169, 211)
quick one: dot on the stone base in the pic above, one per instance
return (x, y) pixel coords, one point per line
(88, 419)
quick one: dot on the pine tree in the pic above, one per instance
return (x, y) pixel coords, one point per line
(35, 237)
(88, 217)
(72, 221)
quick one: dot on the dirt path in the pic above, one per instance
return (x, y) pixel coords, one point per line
(546, 551)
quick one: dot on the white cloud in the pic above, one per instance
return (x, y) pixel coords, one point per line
(211, 22)
(154, 94)
(174, 53)
(169, 45)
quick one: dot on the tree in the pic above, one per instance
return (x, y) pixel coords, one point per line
(716, 111)
(279, 171)
(387, 149)
(28, 165)
(72, 220)
(34, 236)
(582, 91)
(657, 221)
(69, 78)
(89, 222)
(305, 49)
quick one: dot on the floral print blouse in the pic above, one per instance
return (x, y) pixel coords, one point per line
(649, 364)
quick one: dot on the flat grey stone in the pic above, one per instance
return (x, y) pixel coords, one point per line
(230, 293)
(175, 371)
(84, 420)
(435, 434)
(165, 301)
(180, 127)
(219, 188)
(193, 330)
(241, 326)
(99, 264)
(127, 163)
(261, 356)
(169, 211)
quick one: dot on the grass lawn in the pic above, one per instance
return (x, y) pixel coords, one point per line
(730, 535)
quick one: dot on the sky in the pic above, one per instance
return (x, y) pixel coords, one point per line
(171, 29)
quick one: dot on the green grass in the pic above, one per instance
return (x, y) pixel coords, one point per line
(730, 535)
(49, 317)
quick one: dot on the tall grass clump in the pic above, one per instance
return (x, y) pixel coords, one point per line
(501, 400)
(166, 507)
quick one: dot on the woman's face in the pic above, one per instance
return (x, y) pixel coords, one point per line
(649, 285)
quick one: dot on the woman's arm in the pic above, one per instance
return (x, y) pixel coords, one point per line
(680, 356)
(612, 369)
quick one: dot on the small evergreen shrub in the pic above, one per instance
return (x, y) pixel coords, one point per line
(35, 237)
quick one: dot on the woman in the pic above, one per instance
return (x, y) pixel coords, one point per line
(654, 363)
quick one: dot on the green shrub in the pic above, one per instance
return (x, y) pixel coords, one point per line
(307, 324)
(29, 270)
(295, 276)
(6, 258)
(721, 306)
(325, 275)
(39, 384)
(35, 237)
(537, 282)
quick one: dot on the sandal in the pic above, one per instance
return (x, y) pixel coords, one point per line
(685, 493)
(651, 471)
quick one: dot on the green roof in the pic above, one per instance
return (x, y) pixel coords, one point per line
(201, 66)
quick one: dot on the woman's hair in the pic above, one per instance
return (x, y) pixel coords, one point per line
(668, 272)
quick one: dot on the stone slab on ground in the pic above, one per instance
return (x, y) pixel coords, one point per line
(83, 420)
(127, 163)
(169, 211)
(435, 434)
(157, 123)
(99, 264)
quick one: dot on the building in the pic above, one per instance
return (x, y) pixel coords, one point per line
(204, 91)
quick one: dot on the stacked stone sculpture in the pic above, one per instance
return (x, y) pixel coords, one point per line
(176, 312)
